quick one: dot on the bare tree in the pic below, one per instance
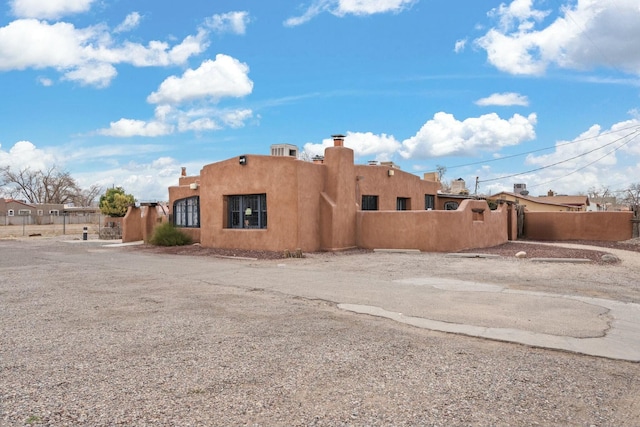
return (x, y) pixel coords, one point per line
(44, 186)
(632, 195)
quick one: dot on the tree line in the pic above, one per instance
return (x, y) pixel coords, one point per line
(55, 186)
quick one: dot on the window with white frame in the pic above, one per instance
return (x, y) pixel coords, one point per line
(247, 211)
(54, 212)
(10, 212)
(186, 212)
(24, 212)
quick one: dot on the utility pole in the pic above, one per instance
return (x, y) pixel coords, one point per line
(477, 183)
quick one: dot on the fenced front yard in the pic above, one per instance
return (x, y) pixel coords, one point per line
(48, 225)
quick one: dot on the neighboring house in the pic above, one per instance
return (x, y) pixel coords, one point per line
(15, 212)
(581, 203)
(543, 204)
(278, 202)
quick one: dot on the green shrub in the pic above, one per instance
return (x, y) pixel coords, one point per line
(167, 235)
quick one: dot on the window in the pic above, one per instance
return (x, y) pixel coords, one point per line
(429, 202)
(54, 212)
(450, 206)
(186, 212)
(403, 204)
(10, 212)
(247, 211)
(24, 212)
(369, 203)
(40, 212)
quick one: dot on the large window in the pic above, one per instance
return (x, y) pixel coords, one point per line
(429, 202)
(247, 211)
(403, 204)
(369, 203)
(186, 212)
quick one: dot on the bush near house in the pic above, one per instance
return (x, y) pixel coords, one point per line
(167, 235)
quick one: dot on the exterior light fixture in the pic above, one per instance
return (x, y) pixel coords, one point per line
(390, 172)
(243, 160)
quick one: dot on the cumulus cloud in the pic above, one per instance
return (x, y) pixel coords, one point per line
(364, 144)
(130, 22)
(24, 154)
(205, 87)
(231, 22)
(504, 100)
(444, 135)
(349, 7)
(86, 55)
(224, 77)
(460, 45)
(585, 35)
(48, 9)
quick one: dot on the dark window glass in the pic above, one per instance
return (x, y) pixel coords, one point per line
(402, 204)
(186, 212)
(247, 211)
(429, 201)
(369, 203)
(451, 206)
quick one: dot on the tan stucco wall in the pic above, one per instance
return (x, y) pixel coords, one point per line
(610, 226)
(375, 180)
(132, 225)
(285, 181)
(434, 231)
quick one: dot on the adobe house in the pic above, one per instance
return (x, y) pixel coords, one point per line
(278, 202)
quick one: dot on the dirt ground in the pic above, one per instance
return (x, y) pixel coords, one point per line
(138, 336)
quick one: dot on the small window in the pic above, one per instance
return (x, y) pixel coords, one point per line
(369, 203)
(10, 212)
(429, 202)
(186, 212)
(54, 212)
(40, 212)
(247, 211)
(24, 212)
(403, 204)
(450, 206)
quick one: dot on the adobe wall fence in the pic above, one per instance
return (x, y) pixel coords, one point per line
(607, 226)
(472, 225)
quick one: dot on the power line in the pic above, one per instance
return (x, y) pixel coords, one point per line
(540, 149)
(566, 160)
(587, 165)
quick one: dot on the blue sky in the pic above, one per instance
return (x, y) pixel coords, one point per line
(125, 93)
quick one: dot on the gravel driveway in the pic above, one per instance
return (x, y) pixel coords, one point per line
(95, 336)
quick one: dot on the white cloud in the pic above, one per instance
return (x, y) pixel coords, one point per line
(596, 158)
(224, 77)
(231, 22)
(48, 9)
(460, 45)
(444, 135)
(130, 22)
(44, 81)
(378, 147)
(125, 128)
(585, 35)
(349, 7)
(369, 7)
(504, 99)
(86, 55)
(24, 154)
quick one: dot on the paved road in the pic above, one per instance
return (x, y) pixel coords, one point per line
(577, 323)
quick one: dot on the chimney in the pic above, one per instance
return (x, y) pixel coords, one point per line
(338, 140)
(184, 171)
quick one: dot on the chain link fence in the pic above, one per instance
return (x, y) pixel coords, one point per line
(49, 225)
